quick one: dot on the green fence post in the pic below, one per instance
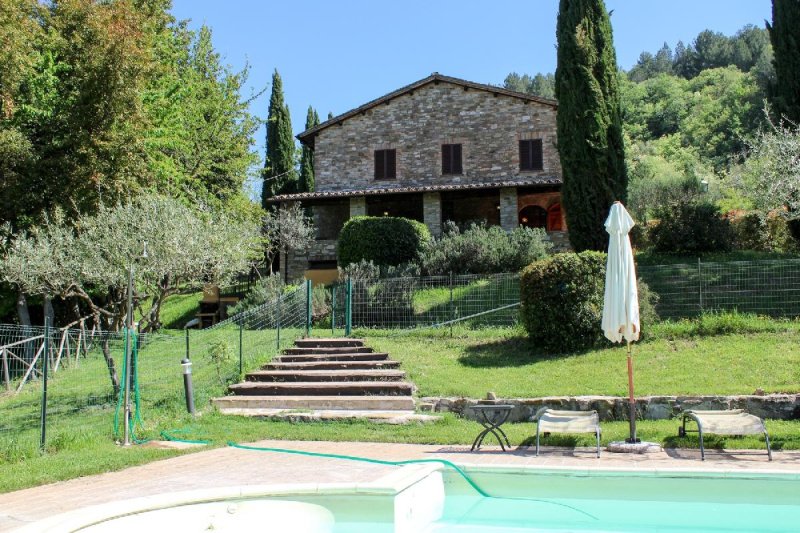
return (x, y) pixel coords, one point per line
(452, 309)
(45, 364)
(278, 321)
(348, 307)
(308, 308)
(333, 309)
(241, 328)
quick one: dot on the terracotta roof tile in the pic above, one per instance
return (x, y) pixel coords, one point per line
(543, 181)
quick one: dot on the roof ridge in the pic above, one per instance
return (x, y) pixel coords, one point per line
(434, 77)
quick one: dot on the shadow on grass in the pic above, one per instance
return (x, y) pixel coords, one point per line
(511, 352)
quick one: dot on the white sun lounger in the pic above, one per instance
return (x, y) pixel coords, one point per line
(552, 421)
(731, 422)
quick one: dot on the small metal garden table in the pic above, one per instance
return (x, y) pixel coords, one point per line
(491, 417)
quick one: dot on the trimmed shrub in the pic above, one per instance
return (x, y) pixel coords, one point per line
(382, 240)
(692, 228)
(484, 249)
(562, 301)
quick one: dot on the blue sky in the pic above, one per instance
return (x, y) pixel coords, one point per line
(337, 55)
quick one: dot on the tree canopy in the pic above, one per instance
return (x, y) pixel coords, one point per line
(101, 101)
(784, 33)
(589, 121)
(280, 176)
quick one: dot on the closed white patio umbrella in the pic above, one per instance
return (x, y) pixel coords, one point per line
(621, 302)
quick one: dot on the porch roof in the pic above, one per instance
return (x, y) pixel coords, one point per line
(544, 181)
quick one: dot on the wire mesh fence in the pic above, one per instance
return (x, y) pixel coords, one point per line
(405, 303)
(769, 287)
(86, 373)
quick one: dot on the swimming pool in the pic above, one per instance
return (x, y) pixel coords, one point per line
(431, 499)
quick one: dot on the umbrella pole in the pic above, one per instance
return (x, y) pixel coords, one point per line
(631, 400)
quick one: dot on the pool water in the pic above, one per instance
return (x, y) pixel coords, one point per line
(591, 501)
(521, 500)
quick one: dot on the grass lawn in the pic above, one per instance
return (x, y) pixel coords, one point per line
(178, 309)
(502, 360)
(697, 357)
(86, 449)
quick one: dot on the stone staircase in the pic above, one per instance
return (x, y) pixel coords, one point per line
(325, 379)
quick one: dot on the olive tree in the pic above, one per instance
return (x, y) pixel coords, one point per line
(771, 169)
(284, 229)
(92, 258)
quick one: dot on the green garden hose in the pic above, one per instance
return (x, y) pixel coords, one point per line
(170, 436)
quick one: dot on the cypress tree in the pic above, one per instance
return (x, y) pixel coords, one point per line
(307, 157)
(589, 122)
(784, 32)
(280, 175)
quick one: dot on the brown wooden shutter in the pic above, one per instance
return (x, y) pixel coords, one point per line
(447, 160)
(380, 164)
(456, 167)
(391, 164)
(524, 155)
(537, 159)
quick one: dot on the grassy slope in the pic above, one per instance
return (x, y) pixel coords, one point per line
(178, 309)
(72, 454)
(470, 364)
(505, 362)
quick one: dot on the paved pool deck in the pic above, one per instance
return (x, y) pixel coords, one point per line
(223, 467)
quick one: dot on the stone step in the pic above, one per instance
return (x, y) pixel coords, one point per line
(332, 365)
(359, 403)
(297, 358)
(326, 375)
(321, 388)
(321, 415)
(328, 343)
(334, 350)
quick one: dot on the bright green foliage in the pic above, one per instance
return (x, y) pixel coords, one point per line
(784, 33)
(280, 176)
(543, 85)
(590, 142)
(199, 140)
(562, 301)
(307, 157)
(382, 240)
(105, 100)
(484, 250)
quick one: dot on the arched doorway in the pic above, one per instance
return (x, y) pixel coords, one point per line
(533, 216)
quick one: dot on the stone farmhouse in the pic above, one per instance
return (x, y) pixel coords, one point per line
(438, 149)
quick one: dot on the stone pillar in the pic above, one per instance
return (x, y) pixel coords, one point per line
(509, 216)
(358, 206)
(432, 209)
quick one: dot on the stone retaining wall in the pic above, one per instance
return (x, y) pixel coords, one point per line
(775, 406)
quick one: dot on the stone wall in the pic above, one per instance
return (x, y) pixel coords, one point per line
(321, 250)
(416, 124)
(774, 406)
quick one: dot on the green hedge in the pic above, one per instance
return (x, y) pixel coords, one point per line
(382, 240)
(562, 301)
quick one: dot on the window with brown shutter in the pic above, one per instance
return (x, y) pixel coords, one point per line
(385, 164)
(530, 155)
(451, 159)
